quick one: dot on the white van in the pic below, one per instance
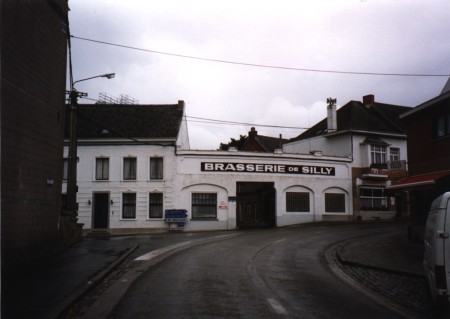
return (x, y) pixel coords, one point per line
(437, 249)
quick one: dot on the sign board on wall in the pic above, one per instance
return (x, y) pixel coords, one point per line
(267, 168)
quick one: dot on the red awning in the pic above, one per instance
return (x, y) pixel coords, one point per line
(419, 180)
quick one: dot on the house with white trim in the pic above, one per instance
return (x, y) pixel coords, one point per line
(135, 163)
(373, 137)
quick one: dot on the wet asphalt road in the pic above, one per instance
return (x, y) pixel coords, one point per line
(279, 273)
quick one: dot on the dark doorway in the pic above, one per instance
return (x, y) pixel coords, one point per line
(101, 210)
(255, 205)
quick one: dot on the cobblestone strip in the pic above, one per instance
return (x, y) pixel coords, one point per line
(404, 289)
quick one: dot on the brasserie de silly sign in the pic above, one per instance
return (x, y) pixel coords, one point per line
(267, 168)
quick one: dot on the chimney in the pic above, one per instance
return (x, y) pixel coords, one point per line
(368, 99)
(252, 133)
(331, 115)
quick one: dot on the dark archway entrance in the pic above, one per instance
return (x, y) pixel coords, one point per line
(255, 205)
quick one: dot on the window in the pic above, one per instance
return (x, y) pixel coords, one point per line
(155, 209)
(129, 168)
(297, 202)
(394, 155)
(102, 169)
(156, 168)
(372, 198)
(334, 203)
(378, 154)
(442, 125)
(204, 205)
(129, 205)
(65, 169)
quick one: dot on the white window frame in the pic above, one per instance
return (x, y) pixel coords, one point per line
(192, 206)
(123, 168)
(394, 154)
(157, 178)
(378, 154)
(123, 206)
(95, 168)
(150, 205)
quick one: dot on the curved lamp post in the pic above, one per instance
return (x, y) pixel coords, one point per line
(72, 188)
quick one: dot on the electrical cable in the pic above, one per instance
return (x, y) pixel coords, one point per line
(259, 65)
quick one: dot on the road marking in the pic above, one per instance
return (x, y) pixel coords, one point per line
(279, 309)
(157, 252)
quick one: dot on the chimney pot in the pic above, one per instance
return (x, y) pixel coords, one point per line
(368, 99)
(252, 133)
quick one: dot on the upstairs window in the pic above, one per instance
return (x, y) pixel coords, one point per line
(156, 168)
(441, 125)
(394, 155)
(378, 154)
(129, 168)
(102, 169)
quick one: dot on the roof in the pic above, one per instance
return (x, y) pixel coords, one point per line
(269, 143)
(261, 143)
(443, 98)
(416, 181)
(355, 116)
(105, 121)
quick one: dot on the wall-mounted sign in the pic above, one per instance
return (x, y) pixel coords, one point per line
(267, 168)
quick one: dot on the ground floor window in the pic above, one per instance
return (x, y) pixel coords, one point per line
(204, 205)
(372, 198)
(129, 205)
(155, 205)
(297, 202)
(334, 203)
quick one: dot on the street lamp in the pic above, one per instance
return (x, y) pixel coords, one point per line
(72, 188)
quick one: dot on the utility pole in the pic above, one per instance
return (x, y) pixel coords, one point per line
(72, 188)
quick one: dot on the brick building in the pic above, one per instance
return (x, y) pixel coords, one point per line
(428, 135)
(34, 37)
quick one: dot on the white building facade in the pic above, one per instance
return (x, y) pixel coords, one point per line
(219, 190)
(372, 135)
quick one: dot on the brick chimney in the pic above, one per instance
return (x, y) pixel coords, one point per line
(368, 99)
(252, 134)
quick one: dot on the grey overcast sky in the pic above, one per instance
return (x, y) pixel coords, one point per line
(368, 36)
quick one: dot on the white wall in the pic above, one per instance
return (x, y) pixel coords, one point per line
(338, 145)
(183, 176)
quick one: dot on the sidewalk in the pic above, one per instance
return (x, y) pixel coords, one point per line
(390, 251)
(45, 289)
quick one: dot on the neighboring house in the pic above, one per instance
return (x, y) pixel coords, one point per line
(371, 134)
(261, 143)
(428, 133)
(125, 152)
(33, 91)
(135, 163)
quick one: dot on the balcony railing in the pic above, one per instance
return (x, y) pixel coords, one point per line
(397, 168)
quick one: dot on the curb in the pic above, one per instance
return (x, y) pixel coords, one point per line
(345, 261)
(80, 292)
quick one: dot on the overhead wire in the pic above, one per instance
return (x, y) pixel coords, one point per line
(258, 65)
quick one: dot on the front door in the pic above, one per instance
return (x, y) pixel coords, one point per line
(101, 210)
(255, 205)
